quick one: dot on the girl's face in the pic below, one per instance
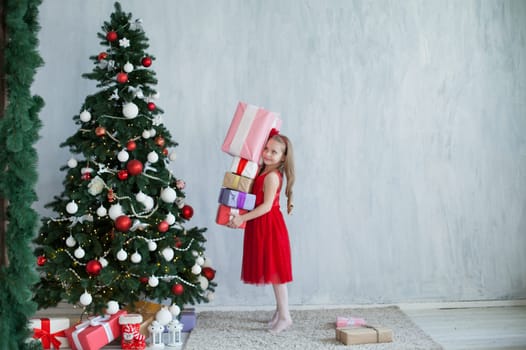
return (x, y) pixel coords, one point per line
(274, 153)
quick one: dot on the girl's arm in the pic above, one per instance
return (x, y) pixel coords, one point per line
(270, 186)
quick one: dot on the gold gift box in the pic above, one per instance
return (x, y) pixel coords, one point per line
(237, 182)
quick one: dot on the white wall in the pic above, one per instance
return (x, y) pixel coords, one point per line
(408, 120)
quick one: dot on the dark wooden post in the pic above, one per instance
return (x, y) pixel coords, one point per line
(3, 101)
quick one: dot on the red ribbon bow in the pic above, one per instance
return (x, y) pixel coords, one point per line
(46, 337)
(273, 132)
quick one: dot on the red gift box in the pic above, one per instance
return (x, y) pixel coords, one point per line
(50, 331)
(94, 333)
(224, 214)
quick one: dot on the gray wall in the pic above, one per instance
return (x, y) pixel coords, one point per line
(408, 120)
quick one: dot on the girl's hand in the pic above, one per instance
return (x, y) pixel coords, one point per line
(235, 222)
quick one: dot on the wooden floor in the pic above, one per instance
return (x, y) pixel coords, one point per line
(473, 328)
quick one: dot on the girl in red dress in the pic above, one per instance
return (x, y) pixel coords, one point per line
(266, 246)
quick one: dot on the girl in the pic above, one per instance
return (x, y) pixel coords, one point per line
(266, 247)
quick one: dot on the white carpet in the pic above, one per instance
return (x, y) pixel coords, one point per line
(312, 329)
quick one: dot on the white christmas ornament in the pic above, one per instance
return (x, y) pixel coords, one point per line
(163, 316)
(96, 186)
(210, 296)
(153, 281)
(152, 246)
(72, 163)
(136, 258)
(196, 269)
(112, 307)
(148, 203)
(79, 253)
(170, 219)
(122, 255)
(153, 132)
(203, 282)
(103, 262)
(140, 196)
(71, 242)
(130, 110)
(115, 211)
(128, 67)
(168, 195)
(146, 134)
(101, 211)
(85, 116)
(123, 156)
(153, 157)
(200, 261)
(195, 253)
(174, 309)
(72, 207)
(85, 298)
(172, 156)
(168, 253)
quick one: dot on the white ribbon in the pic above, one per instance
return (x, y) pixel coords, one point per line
(80, 219)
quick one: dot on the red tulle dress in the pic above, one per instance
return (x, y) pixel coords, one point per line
(266, 246)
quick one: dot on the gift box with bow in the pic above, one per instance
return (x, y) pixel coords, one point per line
(94, 333)
(249, 131)
(244, 167)
(236, 199)
(50, 331)
(224, 214)
(366, 334)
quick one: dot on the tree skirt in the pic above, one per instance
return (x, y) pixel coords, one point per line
(312, 329)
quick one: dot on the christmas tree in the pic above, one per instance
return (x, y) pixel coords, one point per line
(119, 233)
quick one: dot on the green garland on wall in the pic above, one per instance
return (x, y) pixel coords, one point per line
(19, 128)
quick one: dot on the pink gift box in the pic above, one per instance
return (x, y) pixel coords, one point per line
(224, 214)
(249, 131)
(244, 167)
(50, 331)
(95, 333)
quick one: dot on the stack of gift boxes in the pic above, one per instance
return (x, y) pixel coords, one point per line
(245, 140)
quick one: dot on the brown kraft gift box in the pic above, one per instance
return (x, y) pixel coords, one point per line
(364, 335)
(237, 182)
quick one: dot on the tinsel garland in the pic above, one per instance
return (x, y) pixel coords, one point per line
(19, 127)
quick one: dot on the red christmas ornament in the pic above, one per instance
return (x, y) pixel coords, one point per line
(93, 267)
(178, 243)
(165, 151)
(187, 212)
(123, 175)
(112, 36)
(151, 106)
(123, 223)
(131, 145)
(122, 78)
(102, 56)
(134, 167)
(86, 176)
(146, 61)
(159, 141)
(177, 289)
(163, 226)
(111, 196)
(100, 131)
(209, 273)
(41, 260)
(143, 279)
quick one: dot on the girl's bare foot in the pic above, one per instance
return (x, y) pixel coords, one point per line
(273, 320)
(281, 325)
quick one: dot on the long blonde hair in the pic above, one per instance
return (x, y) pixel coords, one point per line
(287, 167)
